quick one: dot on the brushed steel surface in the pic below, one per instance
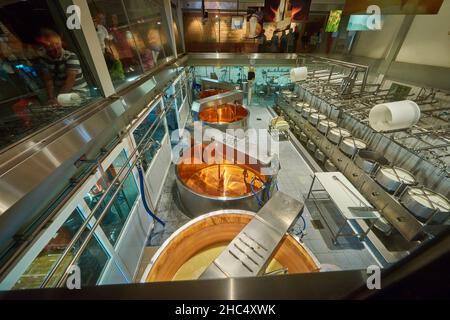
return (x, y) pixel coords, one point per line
(248, 254)
(394, 183)
(329, 166)
(319, 155)
(423, 203)
(402, 220)
(307, 111)
(369, 160)
(350, 146)
(314, 118)
(335, 135)
(324, 125)
(46, 158)
(208, 83)
(196, 204)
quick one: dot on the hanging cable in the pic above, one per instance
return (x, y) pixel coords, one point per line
(144, 201)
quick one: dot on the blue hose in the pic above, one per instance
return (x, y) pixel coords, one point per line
(260, 203)
(144, 201)
(304, 223)
(254, 193)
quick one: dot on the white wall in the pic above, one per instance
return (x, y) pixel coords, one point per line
(376, 44)
(428, 39)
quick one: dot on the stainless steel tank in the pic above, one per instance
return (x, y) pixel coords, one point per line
(205, 187)
(225, 116)
(319, 155)
(311, 146)
(300, 105)
(303, 137)
(210, 92)
(335, 135)
(350, 146)
(187, 253)
(368, 161)
(314, 118)
(329, 166)
(394, 179)
(307, 111)
(426, 204)
(324, 125)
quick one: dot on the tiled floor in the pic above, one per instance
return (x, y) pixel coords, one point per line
(294, 179)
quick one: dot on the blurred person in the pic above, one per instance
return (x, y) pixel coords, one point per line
(119, 38)
(60, 68)
(283, 42)
(155, 44)
(262, 42)
(102, 32)
(291, 43)
(274, 44)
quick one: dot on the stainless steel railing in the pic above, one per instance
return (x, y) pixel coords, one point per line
(143, 145)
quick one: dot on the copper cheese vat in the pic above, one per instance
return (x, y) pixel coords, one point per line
(193, 247)
(206, 186)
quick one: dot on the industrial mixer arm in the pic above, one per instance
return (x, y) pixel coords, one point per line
(250, 252)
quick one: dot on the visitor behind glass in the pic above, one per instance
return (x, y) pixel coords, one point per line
(60, 68)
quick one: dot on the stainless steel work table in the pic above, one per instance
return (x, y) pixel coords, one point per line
(350, 204)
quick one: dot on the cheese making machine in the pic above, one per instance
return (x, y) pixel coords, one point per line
(403, 173)
(223, 111)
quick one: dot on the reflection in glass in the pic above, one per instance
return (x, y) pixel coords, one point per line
(133, 35)
(91, 263)
(157, 134)
(114, 220)
(176, 29)
(42, 75)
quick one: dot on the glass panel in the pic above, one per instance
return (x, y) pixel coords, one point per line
(117, 214)
(133, 34)
(150, 29)
(157, 136)
(179, 96)
(43, 76)
(91, 262)
(176, 29)
(172, 121)
(183, 87)
(120, 47)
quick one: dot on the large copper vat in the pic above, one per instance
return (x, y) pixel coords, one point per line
(193, 247)
(225, 116)
(206, 186)
(210, 92)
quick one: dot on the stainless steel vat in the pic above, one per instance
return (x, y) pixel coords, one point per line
(205, 187)
(335, 135)
(324, 125)
(393, 179)
(314, 118)
(319, 155)
(303, 137)
(307, 111)
(329, 166)
(311, 146)
(226, 116)
(193, 247)
(424, 204)
(350, 146)
(369, 160)
(300, 105)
